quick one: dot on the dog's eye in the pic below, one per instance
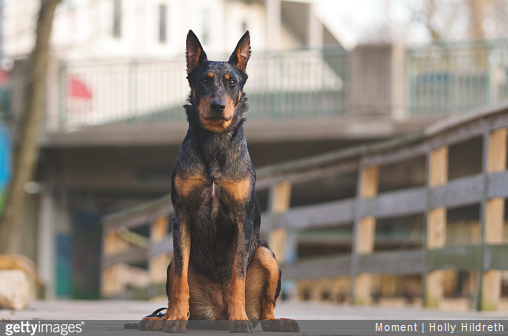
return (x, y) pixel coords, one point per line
(232, 82)
(205, 80)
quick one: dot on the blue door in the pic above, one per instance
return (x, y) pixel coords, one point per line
(5, 163)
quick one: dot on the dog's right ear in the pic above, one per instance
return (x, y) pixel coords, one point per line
(195, 53)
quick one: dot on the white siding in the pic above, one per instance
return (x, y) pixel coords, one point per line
(83, 28)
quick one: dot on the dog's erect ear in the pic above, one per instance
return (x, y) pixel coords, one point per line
(195, 53)
(241, 55)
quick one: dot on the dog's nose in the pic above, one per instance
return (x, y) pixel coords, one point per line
(217, 105)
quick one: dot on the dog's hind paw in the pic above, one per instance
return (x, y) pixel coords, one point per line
(284, 325)
(237, 326)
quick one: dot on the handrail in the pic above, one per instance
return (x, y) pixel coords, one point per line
(431, 200)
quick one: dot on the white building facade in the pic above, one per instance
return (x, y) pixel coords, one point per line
(157, 28)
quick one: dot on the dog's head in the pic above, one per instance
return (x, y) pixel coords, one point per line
(217, 99)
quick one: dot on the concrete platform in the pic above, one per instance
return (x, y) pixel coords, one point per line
(109, 317)
(135, 310)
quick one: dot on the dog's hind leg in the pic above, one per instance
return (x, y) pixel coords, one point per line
(262, 292)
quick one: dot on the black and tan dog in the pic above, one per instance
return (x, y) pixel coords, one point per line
(221, 270)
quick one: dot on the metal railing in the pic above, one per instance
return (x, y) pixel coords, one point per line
(456, 77)
(306, 83)
(439, 79)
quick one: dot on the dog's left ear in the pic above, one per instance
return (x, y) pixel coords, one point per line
(195, 54)
(241, 55)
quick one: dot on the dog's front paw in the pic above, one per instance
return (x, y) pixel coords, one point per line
(285, 325)
(175, 326)
(151, 324)
(236, 326)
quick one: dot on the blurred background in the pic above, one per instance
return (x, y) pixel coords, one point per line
(330, 82)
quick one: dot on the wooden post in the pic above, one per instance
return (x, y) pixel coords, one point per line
(388, 285)
(280, 199)
(365, 236)
(494, 220)
(157, 265)
(436, 226)
(114, 280)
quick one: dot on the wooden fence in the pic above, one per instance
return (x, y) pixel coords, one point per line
(124, 247)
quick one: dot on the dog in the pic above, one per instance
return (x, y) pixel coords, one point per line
(221, 270)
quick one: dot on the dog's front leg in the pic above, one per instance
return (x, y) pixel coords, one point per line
(178, 310)
(241, 246)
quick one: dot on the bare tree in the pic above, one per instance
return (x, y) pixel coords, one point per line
(462, 19)
(478, 11)
(27, 150)
(428, 19)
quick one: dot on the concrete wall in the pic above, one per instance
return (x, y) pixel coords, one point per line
(377, 80)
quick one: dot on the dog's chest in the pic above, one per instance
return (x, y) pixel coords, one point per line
(238, 189)
(213, 192)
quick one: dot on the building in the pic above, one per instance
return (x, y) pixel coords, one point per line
(110, 139)
(157, 28)
(111, 33)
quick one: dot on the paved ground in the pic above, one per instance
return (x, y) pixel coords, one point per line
(108, 318)
(134, 310)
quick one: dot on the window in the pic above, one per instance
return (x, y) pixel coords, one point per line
(69, 4)
(117, 18)
(163, 9)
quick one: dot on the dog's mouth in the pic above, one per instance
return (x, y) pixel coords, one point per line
(218, 118)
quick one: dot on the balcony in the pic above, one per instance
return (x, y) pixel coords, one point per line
(373, 91)
(307, 83)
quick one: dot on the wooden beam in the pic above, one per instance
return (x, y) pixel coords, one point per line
(280, 199)
(393, 263)
(157, 268)
(459, 192)
(462, 257)
(395, 203)
(369, 182)
(495, 255)
(114, 280)
(436, 226)
(496, 157)
(139, 215)
(157, 264)
(133, 255)
(160, 247)
(113, 244)
(365, 235)
(159, 229)
(363, 285)
(497, 185)
(113, 275)
(494, 219)
(438, 167)
(395, 155)
(333, 213)
(305, 175)
(388, 285)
